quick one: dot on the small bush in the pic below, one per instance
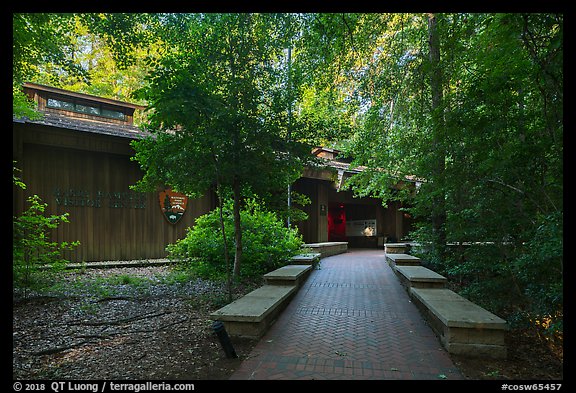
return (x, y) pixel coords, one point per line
(32, 249)
(266, 242)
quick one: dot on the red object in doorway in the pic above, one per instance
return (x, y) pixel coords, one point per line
(337, 223)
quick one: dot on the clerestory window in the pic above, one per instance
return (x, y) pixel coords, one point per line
(89, 109)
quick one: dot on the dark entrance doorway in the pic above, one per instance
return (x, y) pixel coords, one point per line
(353, 223)
(337, 222)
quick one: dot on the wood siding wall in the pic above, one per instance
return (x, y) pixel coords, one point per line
(88, 176)
(309, 228)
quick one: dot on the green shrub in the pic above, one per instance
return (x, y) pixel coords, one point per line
(31, 248)
(266, 242)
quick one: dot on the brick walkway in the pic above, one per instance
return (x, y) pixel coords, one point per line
(350, 320)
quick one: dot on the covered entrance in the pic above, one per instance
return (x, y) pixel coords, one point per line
(336, 214)
(356, 224)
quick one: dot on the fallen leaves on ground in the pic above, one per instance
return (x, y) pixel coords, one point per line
(150, 333)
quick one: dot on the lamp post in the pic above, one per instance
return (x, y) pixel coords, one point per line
(220, 331)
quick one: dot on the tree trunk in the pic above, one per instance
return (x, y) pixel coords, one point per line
(222, 226)
(225, 240)
(237, 227)
(439, 160)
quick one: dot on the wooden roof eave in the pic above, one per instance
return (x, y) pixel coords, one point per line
(89, 97)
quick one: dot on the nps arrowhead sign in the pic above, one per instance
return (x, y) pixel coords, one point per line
(173, 205)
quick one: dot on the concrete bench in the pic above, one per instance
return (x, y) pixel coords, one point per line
(253, 314)
(327, 249)
(311, 258)
(288, 275)
(419, 277)
(395, 248)
(464, 327)
(402, 260)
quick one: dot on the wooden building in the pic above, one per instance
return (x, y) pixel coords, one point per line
(77, 159)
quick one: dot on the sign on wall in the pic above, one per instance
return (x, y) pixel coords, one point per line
(76, 197)
(173, 205)
(361, 228)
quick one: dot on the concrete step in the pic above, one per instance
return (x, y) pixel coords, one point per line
(252, 315)
(327, 249)
(402, 260)
(419, 277)
(288, 275)
(464, 327)
(306, 259)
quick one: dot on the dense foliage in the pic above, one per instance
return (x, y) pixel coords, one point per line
(479, 132)
(219, 111)
(107, 55)
(266, 241)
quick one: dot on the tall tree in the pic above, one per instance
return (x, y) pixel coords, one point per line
(102, 54)
(219, 111)
(480, 127)
(39, 40)
(438, 214)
